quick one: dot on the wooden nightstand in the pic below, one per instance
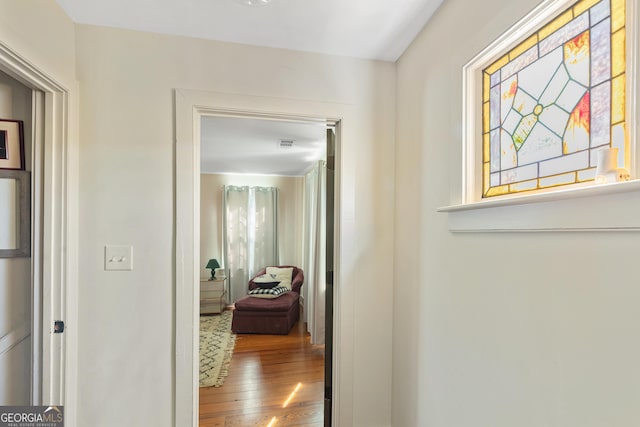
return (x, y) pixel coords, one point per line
(212, 296)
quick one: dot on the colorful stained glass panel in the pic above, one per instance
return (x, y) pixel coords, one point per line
(554, 181)
(618, 12)
(495, 150)
(555, 99)
(495, 78)
(520, 62)
(564, 164)
(600, 11)
(600, 116)
(587, 175)
(560, 37)
(530, 79)
(555, 87)
(600, 52)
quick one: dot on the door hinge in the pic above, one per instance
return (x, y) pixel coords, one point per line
(329, 277)
(58, 327)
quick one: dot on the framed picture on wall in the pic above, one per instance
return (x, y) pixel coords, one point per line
(15, 213)
(11, 144)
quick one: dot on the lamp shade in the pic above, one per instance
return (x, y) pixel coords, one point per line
(213, 263)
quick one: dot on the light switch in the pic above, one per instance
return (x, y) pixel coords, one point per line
(118, 257)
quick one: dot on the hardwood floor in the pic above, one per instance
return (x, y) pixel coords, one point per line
(273, 381)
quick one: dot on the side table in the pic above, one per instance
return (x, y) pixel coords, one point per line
(212, 296)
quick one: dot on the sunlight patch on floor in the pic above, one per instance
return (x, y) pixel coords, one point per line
(293, 393)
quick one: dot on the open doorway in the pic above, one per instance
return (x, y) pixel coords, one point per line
(45, 356)
(19, 313)
(288, 157)
(190, 107)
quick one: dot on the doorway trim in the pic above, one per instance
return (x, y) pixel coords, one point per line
(54, 242)
(190, 107)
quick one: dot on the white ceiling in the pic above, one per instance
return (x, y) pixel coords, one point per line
(252, 146)
(372, 29)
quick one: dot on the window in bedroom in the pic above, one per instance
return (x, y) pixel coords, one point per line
(555, 99)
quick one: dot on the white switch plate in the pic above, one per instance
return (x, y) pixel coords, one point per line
(118, 258)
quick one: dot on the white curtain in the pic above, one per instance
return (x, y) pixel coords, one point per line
(314, 249)
(250, 234)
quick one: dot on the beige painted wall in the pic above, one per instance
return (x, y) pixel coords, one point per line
(290, 217)
(497, 329)
(40, 31)
(548, 339)
(126, 197)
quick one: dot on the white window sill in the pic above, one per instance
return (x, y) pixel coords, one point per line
(603, 207)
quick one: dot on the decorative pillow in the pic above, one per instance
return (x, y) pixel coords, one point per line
(266, 285)
(266, 281)
(283, 275)
(268, 293)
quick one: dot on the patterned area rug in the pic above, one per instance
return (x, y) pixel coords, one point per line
(216, 348)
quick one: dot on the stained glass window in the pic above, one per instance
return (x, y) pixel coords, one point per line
(555, 99)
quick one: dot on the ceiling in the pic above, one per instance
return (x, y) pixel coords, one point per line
(252, 146)
(371, 29)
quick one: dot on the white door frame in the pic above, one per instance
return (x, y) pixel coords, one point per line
(53, 249)
(190, 107)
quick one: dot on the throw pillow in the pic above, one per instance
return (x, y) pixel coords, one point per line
(266, 285)
(268, 293)
(266, 281)
(283, 275)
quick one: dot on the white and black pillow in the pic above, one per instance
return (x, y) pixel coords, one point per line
(266, 285)
(268, 293)
(282, 274)
(266, 281)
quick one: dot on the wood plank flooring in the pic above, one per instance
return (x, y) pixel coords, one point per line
(273, 381)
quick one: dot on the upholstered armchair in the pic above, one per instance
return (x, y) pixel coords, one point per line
(257, 314)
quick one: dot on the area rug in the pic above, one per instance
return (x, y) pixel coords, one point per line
(216, 348)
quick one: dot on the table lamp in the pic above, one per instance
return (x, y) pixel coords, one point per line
(213, 264)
